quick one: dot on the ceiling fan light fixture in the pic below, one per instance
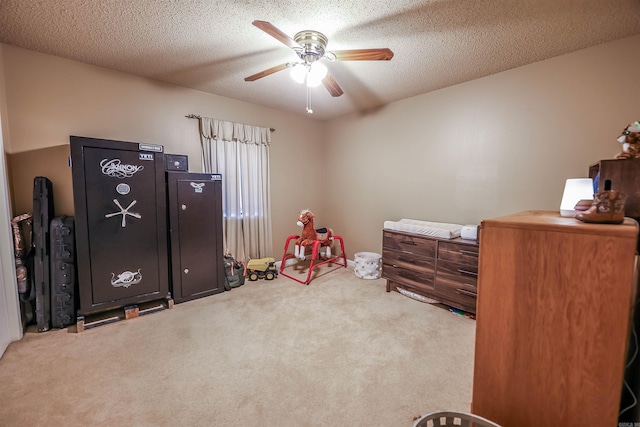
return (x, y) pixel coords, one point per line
(317, 72)
(298, 73)
(311, 73)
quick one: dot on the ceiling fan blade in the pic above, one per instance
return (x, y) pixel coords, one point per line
(274, 32)
(265, 73)
(384, 54)
(332, 86)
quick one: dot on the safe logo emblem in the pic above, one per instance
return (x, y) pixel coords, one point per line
(197, 186)
(126, 279)
(116, 169)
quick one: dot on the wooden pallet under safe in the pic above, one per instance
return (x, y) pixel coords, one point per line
(123, 313)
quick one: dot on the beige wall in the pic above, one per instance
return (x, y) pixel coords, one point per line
(50, 98)
(489, 147)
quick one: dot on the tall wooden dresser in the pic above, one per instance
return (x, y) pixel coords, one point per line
(555, 298)
(624, 176)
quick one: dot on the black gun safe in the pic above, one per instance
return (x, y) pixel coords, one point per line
(121, 233)
(195, 227)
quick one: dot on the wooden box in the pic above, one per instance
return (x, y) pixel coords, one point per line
(625, 177)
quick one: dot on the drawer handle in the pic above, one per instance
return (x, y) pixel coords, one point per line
(408, 242)
(466, 292)
(409, 260)
(467, 272)
(462, 251)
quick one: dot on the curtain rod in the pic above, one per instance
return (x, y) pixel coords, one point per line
(195, 116)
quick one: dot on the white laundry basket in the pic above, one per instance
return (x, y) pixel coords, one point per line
(368, 265)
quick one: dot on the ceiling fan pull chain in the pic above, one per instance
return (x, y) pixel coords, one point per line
(309, 110)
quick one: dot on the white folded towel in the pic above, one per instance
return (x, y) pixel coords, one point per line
(440, 230)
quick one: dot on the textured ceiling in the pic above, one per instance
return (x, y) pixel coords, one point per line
(212, 46)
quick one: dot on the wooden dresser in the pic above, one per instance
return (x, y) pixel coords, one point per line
(554, 308)
(442, 269)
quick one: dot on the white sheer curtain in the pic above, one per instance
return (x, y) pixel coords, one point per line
(241, 154)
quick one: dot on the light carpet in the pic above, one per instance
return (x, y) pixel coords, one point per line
(337, 352)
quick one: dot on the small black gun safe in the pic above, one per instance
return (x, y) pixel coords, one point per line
(121, 223)
(195, 224)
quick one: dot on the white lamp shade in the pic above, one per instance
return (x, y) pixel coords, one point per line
(317, 72)
(313, 73)
(575, 189)
(298, 73)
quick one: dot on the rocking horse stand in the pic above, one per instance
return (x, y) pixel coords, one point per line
(316, 260)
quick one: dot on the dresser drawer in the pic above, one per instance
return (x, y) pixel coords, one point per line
(458, 252)
(454, 274)
(411, 244)
(409, 277)
(419, 264)
(456, 295)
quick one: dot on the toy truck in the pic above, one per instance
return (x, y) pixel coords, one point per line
(262, 268)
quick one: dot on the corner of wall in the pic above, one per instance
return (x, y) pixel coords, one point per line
(10, 323)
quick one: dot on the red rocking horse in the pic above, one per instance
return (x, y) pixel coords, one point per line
(319, 240)
(310, 235)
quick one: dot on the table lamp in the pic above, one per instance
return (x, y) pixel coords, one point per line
(575, 189)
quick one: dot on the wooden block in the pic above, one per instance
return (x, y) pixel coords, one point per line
(131, 312)
(80, 324)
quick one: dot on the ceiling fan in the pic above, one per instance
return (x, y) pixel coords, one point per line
(310, 46)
